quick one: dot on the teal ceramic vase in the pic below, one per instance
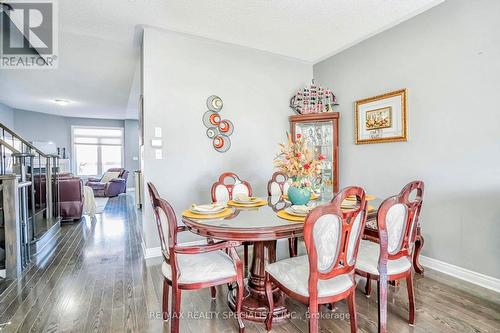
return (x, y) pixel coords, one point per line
(298, 195)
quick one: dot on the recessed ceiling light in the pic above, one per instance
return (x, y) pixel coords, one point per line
(62, 102)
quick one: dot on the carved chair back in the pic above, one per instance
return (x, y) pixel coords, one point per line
(278, 184)
(332, 237)
(229, 185)
(166, 222)
(397, 220)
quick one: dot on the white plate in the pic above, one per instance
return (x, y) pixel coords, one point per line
(250, 201)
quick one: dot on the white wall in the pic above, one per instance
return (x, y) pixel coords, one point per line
(180, 72)
(449, 60)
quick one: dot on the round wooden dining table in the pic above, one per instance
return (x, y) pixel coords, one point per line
(263, 228)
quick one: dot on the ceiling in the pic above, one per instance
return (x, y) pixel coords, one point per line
(99, 43)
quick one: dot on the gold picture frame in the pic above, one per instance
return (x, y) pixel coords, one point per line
(381, 118)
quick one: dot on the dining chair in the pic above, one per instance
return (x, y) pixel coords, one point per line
(276, 187)
(224, 189)
(391, 258)
(278, 184)
(192, 267)
(326, 274)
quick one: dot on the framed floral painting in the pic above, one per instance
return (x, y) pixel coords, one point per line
(381, 118)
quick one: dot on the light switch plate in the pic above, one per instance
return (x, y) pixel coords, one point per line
(156, 143)
(158, 132)
(158, 154)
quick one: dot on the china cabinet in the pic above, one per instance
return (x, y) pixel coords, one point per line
(320, 131)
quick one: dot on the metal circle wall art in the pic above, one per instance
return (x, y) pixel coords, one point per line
(218, 130)
(214, 103)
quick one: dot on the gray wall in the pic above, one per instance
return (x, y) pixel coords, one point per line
(36, 126)
(180, 73)
(449, 60)
(131, 147)
(6, 115)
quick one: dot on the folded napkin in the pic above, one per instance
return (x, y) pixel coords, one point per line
(208, 208)
(301, 209)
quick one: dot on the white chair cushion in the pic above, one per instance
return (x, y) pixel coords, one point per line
(202, 267)
(367, 260)
(293, 273)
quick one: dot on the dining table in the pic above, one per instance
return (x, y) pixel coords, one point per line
(263, 227)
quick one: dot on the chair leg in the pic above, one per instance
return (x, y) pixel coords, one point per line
(292, 246)
(368, 286)
(239, 302)
(411, 298)
(165, 299)
(245, 259)
(313, 317)
(351, 303)
(270, 302)
(382, 305)
(176, 310)
(213, 291)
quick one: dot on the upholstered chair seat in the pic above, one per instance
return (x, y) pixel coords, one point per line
(293, 274)
(202, 267)
(368, 256)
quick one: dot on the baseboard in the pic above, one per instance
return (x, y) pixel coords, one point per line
(462, 273)
(151, 252)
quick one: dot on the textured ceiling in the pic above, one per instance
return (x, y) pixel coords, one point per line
(98, 42)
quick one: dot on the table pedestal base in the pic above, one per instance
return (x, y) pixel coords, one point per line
(255, 305)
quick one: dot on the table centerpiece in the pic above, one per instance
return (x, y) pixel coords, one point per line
(299, 163)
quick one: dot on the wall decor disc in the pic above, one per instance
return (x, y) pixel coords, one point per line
(222, 143)
(212, 132)
(226, 127)
(211, 119)
(214, 103)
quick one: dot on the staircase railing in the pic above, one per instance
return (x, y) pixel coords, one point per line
(37, 191)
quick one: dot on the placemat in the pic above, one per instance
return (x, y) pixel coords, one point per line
(284, 215)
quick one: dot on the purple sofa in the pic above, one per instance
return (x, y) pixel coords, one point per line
(112, 183)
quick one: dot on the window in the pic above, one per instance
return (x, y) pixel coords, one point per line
(97, 149)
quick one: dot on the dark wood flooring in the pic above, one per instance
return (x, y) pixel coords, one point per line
(96, 280)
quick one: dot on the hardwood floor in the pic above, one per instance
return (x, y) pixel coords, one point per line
(96, 280)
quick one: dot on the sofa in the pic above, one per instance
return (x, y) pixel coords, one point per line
(70, 197)
(111, 184)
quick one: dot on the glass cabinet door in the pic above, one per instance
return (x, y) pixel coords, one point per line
(318, 137)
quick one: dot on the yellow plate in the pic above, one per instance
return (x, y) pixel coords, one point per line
(368, 197)
(225, 213)
(249, 205)
(286, 216)
(313, 196)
